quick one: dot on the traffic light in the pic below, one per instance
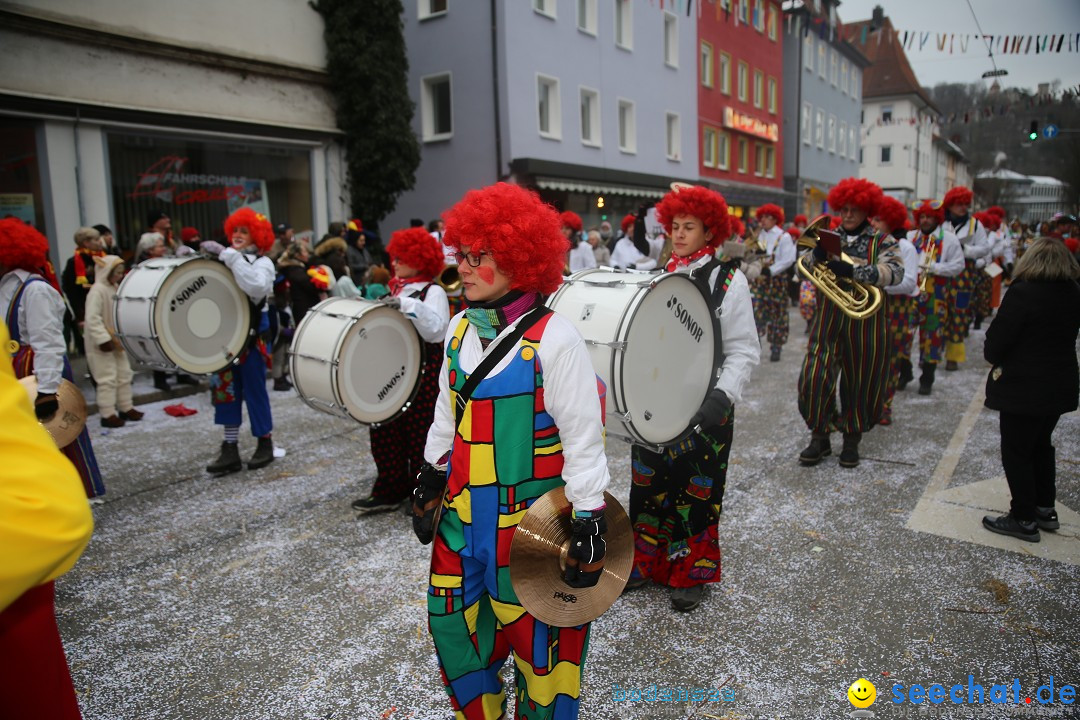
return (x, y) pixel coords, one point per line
(1033, 131)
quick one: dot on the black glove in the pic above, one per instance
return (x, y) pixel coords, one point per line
(585, 558)
(427, 496)
(819, 254)
(714, 411)
(45, 406)
(841, 268)
(766, 271)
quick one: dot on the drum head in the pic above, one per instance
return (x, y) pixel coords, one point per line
(378, 364)
(668, 366)
(201, 315)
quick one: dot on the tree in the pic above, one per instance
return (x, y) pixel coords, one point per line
(368, 69)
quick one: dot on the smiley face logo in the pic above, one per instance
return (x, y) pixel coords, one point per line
(862, 693)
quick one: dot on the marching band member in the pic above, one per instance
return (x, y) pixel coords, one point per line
(854, 350)
(933, 237)
(1001, 251)
(34, 312)
(972, 236)
(532, 424)
(770, 290)
(900, 301)
(677, 495)
(581, 253)
(627, 253)
(250, 235)
(398, 446)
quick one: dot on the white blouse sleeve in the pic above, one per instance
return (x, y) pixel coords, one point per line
(430, 315)
(951, 262)
(43, 330)
(909, 256)
(742, 349)
(785, 254)
(440, 437)
(255, 277)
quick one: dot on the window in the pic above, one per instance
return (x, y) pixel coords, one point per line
(671, 40)
(586, 16)
(854, 85)
(624, 24)
(772, 95)
(759, 159)
(590, 117)
(834, 66)
(841, 140)
(723, 151)
(627, 127)
(851, 143)
(819, 129)
(708, 147)
(706, 65)
(772, 23)
(725, 73)
(436, 108)
(808, 52)
(759, 16)
(544, 7)
(431, 8)
(843, 76)
(673, 135)
(744, 152)
(832, 133)
(770, 162)
(744, 71)
(860, 156)
(821, 59)
(744, 11)
(549, 112)
(759, 90)
(886, 114)
(886, 154)
(807, 122)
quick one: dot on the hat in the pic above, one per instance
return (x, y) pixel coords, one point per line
(282, 227)
(154, 215)
(188, 234)
(103, 229)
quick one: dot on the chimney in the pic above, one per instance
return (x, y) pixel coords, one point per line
(877, 19)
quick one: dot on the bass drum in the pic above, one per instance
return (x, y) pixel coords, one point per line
(183, 313)
(651, 340)
(356, 358)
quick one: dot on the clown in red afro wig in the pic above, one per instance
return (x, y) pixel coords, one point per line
(706, 205)
(958, 195)
(22, 247)
(627, 223)
(737, 227)
(257, 224)
(996, 210)
(571, 220)
(863, 194)
(927, 208)
(834, 222)
(892, 212)
(989, 220)
(418, 249)
(801, 221)
(775, 211)
(522, 233)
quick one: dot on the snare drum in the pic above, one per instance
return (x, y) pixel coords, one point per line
(651, 340)
(183, 313)
(356, 358)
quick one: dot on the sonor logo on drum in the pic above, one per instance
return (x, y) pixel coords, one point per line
(685, 318)
(565, 597)
(186, 293)
(393, 381)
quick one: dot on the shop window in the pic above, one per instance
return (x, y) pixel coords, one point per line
(20, 174)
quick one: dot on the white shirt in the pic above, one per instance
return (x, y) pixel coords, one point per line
(626, 255)
(582, 257)
(570, 397)
(780, 246)
(431, 315)
(909, 256)
(950, 262)
(254, 273)
(41, 325)
(1002, 246)
(972, 237)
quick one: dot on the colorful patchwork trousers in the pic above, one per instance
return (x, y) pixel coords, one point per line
(901, 310)
(771, 309)
(933, 316)
(983, 290)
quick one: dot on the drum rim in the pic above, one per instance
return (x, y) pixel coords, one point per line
(302, 329)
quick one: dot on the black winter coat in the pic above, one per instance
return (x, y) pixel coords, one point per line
(1032, 346)
(303, 295)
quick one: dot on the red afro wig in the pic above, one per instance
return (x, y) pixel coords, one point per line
(996, 210)
(989, 220)
(863, 194)
(258, 225)
(892, 212)
(769, 209)
(958, 195)
(522, 233)
(737, 227)
(801, 220)
(571, 220)
(418, 249)
(706, 205)
(928, 209)
(22, 247)
(627, 223)
(834, 222)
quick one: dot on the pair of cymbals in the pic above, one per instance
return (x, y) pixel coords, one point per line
(70, 419)
(538, 558)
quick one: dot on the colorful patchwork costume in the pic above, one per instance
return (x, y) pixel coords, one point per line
(900, 305)
(934, 308)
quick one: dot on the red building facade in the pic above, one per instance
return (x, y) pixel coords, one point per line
(740, 95)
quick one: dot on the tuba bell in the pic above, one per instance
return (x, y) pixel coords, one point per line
(449, 279)
(856, 300)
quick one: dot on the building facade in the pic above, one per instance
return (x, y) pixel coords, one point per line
(823, 91)
(591, 102)
(192, 108)
(951, 167)
(1027, 198)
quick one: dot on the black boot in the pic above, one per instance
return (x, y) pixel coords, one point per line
(160, 380)
(978, 322)
(818, 448)
(849, 456)
(264, 454)
(926, 380)
(228, 461)
(906, 375)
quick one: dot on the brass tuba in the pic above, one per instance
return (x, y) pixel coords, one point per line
(449, 279)
(856, 300)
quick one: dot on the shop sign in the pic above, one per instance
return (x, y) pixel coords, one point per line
(160, 181)
(750, 125)
(17, 205)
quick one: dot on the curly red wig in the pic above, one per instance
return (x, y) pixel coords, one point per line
(892, 212)
(801, 220)
(737, 227)
(258, 225)
(989, 220)
(521, 231)
(571, 220)
(834, 222)
(22, 247)
(926, 208)
(627, 223)
(958, 195)
(996, 210)
(769, 209)
(863, 194)
(706, 205)
(418, 249)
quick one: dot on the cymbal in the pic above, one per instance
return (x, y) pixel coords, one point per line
(538, 556)
(70, 419)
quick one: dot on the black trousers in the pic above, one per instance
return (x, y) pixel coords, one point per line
(1028, 459)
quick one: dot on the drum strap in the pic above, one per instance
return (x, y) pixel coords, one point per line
(723, 280)
(421, 295)
(530, 319)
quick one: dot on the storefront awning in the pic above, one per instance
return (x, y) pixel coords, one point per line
(547, 183)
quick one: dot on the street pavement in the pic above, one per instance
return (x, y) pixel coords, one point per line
(262, 595)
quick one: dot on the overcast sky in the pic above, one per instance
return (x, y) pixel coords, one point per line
(996, 17)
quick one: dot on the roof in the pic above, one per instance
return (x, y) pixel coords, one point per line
(1046, 180)
(889, 73)
(1003, 174)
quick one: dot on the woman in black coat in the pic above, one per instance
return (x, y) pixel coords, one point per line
(1034, 380)
(303, 295)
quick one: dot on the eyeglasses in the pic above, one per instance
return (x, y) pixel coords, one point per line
(471, 258)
